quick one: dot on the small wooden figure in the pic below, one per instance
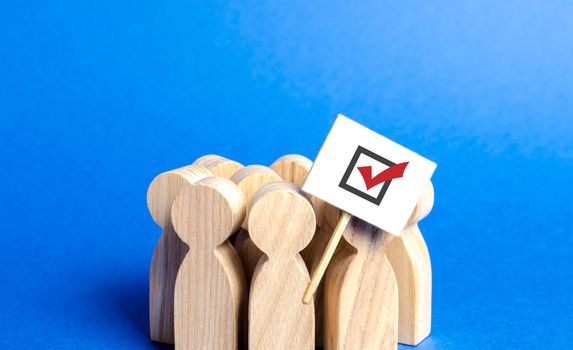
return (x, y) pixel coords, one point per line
(219, 166)
(169, 251)
(249, 179)
(210, 292)
(410, 260)
(293, 168)
(361, 295)
(281, 224)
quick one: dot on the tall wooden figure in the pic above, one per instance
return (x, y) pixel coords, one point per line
(281, 223)
(410, 263)
(410, 259)
(169, 251)
(210, 292)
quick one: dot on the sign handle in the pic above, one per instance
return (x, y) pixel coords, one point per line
(326, 256)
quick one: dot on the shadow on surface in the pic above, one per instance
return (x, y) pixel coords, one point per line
(128, 297)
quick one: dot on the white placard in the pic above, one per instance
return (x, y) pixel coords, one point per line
(368, 175)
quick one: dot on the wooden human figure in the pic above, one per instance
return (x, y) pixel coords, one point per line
(210, 292)
(281, 224)
(410, 260)
(293, 168)
(169, 251)
(360, 291)
(410, 266)
(219, 166)
(223, 167)
(249, 179)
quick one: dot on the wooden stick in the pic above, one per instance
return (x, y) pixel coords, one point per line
(318, 273)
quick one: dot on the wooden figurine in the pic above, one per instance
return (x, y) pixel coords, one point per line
(360, 292)
(169, 251)
(281, 223)
(293, 168)
(410, 260)
(219, 166)
(210, 292)
(249, 179)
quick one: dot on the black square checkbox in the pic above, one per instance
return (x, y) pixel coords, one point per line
(344, 182)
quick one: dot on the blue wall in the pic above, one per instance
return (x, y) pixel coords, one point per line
(96, 98)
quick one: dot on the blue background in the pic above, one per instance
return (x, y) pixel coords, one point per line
(96, 98)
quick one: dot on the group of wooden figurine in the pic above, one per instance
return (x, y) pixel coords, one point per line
(231, 267)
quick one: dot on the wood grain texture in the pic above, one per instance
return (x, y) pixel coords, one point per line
(410, 259)
(249, 179)
(210, 292)
(293, 168)
(361, 295)
(248, 253)
(169, 251)
(281, 224)
(219, 166)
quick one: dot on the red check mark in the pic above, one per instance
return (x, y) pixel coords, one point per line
(393, 172)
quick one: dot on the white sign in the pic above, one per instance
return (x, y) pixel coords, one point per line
(368, 175)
